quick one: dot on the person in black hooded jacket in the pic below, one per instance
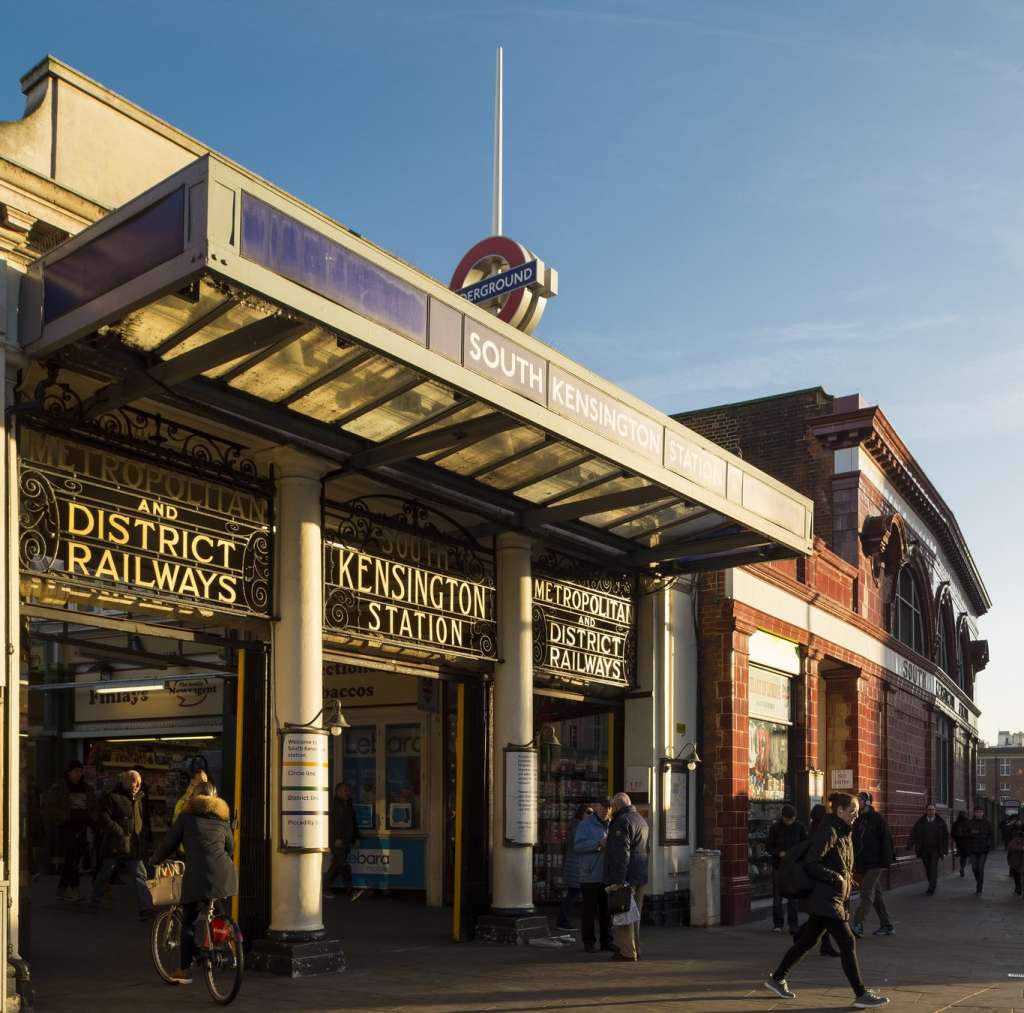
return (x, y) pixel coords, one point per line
(204, 827)
(829, 864)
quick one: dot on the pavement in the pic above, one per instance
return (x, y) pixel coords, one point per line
(953, 951)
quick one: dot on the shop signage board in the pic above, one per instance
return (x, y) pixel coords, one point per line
(400, 579)
(100, 520)
(190, 697)
(584, 621)
(355, 687)
(768, 695)
(842, 780)
(520, 797)
(305, 790)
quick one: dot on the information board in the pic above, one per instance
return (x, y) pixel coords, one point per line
(305, 790)
(520, 797)
(675, 804)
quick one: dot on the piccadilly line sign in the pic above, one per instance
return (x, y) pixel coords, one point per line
(100, 520)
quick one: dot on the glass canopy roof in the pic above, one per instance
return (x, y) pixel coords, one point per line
(220, 297)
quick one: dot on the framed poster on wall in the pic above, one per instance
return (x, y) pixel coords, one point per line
(675, 803)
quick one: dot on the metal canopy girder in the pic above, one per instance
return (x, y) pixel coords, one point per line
(519, 455)
(742, 558)
(697, 547)
(97, 648)
(172, 341)
(594, 483)
(573, 462)
(332, 374)
(382, 399)
(620, 522)
(250, 338)
(595, 505)
(459, 434)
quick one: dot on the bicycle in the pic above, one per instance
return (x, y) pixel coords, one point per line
(218, 947)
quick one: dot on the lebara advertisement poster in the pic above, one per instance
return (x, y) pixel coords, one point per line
(769, 760)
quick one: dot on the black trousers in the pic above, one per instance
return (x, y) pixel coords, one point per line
(807, 938)
(75, 844)
(978, 868)
(595, 906)
(339, 866)
(931, 868)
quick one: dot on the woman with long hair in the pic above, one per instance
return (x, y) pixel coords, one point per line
(829, 865)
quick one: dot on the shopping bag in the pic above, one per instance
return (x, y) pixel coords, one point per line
(165, 887)
(630, 917)
(619, 898)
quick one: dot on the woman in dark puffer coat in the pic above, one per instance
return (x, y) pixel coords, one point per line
(829, 864)
(204, 827)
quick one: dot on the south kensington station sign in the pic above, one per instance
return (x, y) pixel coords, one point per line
(98, 520)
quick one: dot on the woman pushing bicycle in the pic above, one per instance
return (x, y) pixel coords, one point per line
(204, 828)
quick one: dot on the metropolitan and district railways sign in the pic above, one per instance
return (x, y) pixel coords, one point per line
(584, 630)
(99, 520)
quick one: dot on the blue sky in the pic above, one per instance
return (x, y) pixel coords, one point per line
(741, 198)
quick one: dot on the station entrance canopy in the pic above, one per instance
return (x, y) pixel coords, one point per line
(215, 294)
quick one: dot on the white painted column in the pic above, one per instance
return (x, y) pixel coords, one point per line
(295, 879)
(512, 868)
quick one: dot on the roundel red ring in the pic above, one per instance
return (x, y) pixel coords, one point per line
(494, 246)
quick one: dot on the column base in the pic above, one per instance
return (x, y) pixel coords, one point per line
(295, 958)
(511, 929)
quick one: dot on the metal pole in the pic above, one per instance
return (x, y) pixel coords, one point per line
(498, 152)
(239, 729)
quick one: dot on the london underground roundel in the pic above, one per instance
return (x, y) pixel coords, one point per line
(501, 275)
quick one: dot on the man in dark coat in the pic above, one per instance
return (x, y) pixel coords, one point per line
(929, 840)
(873, 853)
(204, 828)
(344, 834)
(979, 841)
(70, 805)
(625, 862)
(784, 835)
(121, 824)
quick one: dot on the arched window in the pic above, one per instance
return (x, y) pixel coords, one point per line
(942, 644)
(907, 616)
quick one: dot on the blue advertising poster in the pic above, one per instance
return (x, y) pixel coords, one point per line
(389, 863)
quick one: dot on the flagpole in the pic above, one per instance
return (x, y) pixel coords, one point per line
(496, 209)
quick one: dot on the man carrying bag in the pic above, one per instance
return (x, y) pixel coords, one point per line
(625, 865)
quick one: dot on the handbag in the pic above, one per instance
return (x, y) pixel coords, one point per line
(165, 887)
(628, 917)
(619, 899)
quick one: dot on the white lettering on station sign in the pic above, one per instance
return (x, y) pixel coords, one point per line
(305, 790)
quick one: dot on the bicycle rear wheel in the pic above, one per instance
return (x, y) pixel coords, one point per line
(225, 961)
(165, 943)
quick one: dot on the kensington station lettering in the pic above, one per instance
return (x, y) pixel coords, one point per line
(404, 602)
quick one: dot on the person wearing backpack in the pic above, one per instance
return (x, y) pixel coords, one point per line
(828, 864)
(784, 835)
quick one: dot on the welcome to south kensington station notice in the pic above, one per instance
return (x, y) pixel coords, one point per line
(305, 790)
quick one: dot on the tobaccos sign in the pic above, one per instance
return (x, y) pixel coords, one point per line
(583, 621)
(401, 578)
(100, 520)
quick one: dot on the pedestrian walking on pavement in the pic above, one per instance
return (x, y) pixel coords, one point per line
(961, 838)
(873, 853)
(571, 869)
(817, 815)
(979, 840)
(70, 806)
(344, 832)
(123, 840)
(829, 864)
(784, 835)
(1015, 851)
(929, 839)
(204, 828)
(589, 843)
(625, 862)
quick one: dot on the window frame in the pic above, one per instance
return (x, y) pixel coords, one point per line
(1005, 766)
(916, 637)
(943, 759)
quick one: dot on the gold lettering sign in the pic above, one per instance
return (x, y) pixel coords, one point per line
(583, 628)
(389, 582)
(99, 520)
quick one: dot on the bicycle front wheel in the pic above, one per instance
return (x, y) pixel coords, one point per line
(165, 943)
(225, 961)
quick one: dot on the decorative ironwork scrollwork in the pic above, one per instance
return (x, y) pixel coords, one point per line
(256, 572)
(39, 521)
(340, 609)
(540, 635)
(622, 584)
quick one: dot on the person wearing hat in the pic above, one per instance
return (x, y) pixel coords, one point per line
(873, 852)
(71, 805)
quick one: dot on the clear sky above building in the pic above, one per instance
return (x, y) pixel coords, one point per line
(740, 198)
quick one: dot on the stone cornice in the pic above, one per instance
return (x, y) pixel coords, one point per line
(870, 429)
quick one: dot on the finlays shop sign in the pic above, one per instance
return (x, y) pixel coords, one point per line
(190, 697)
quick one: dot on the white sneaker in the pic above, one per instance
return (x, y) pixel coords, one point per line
(781, 989)
(869, 1000)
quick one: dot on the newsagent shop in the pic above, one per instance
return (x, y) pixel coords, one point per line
(266, 481)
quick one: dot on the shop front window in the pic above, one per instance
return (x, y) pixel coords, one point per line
(403, 776)
(360, 772)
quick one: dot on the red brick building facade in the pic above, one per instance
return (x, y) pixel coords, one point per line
(852, 669)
